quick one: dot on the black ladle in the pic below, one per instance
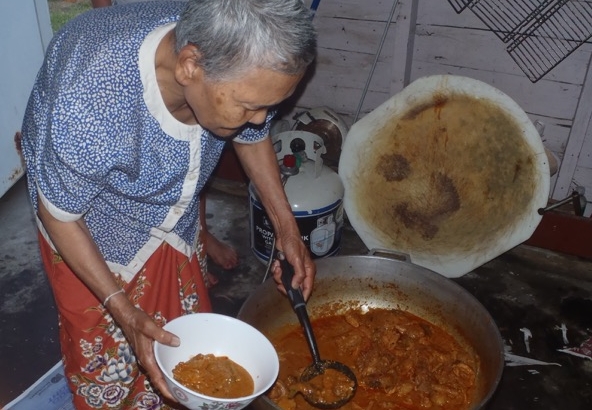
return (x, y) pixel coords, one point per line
(318, 367)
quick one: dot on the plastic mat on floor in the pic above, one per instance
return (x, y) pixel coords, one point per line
(50, 392)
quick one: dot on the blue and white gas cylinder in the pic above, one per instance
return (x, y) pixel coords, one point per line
(314, 191)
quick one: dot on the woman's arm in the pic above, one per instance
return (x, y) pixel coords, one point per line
(261, 166)
(76, 246)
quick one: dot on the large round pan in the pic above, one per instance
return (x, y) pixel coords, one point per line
(450, 171)
(346, 282)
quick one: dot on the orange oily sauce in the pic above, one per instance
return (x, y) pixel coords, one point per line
(331, 386)
(214, 376)
(401, 361)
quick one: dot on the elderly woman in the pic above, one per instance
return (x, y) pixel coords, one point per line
(125, 123)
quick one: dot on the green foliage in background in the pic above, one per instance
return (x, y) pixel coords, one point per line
(61, 11)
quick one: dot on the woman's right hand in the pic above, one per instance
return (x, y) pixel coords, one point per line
(141, 332)
(74, 243)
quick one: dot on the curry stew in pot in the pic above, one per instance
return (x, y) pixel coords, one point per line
(401, 361)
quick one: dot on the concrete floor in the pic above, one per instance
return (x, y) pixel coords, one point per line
(29, 343)
(524, 288)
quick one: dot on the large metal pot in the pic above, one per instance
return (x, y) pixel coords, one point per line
(382, 282)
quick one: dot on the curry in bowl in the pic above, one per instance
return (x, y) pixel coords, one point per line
(214, 376)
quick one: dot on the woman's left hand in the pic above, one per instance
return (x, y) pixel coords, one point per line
(260, 163)
(298, 256)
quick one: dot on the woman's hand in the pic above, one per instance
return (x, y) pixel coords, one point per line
(76, 246)
(298, 256)
(141, 332)
(261, 166)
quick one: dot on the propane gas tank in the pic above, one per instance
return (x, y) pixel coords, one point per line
(314, 191)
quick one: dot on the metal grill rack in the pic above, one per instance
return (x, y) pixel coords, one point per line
(539, 33)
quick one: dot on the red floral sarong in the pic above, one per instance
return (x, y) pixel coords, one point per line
(100, 365)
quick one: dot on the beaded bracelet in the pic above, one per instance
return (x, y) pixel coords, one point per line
(110, 296)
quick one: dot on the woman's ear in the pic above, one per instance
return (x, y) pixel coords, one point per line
(188, 68)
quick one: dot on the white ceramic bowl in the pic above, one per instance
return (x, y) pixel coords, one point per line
(211, 333)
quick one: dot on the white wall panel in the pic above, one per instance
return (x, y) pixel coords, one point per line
(446, 42)
(25, 30)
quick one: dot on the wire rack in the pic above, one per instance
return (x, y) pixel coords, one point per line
(539, 33)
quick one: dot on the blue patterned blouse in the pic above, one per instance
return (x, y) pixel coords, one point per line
(100, 144)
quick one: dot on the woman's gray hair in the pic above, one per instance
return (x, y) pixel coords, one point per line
(234, 36)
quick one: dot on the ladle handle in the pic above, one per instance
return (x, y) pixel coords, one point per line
(299, 305)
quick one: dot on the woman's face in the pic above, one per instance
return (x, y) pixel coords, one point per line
(224, 108)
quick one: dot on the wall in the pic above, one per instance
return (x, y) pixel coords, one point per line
(428, 37)
(26, 31)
